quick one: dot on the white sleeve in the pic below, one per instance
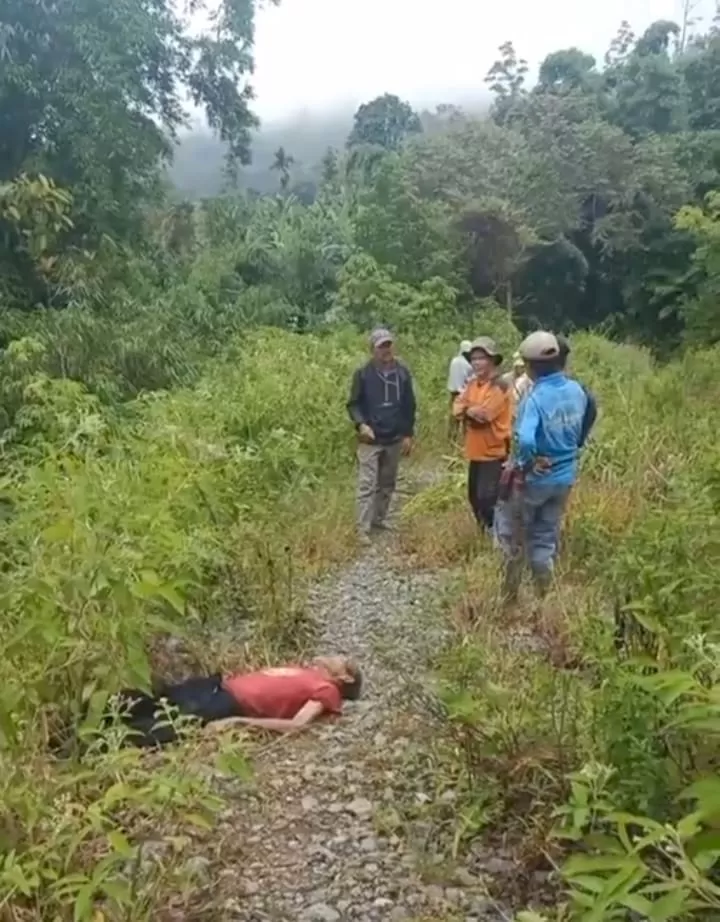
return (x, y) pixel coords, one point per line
(523, 386)
(458, 375)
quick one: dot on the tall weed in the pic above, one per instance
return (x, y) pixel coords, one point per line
(635, 613)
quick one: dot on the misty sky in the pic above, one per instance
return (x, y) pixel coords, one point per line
(321, 54)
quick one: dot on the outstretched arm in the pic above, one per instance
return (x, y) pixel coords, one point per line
(304, 717)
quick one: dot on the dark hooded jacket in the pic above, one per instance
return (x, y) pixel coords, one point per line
(384, 400)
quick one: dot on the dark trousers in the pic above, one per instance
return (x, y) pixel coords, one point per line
(203, 698)
(483, 489)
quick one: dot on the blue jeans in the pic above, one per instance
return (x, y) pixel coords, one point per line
(527, 528)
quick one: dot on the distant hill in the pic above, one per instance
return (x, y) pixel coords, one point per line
(198, 167)
(197, 170)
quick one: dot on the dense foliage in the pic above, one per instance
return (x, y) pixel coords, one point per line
(592, 743)
(92, 96)
(561, 204)
(176, 457)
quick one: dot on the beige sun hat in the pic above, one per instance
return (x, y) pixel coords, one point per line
(488, 346)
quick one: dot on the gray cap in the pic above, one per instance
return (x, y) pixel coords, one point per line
(539, 346)
(465, 346)
(488, 346)
(381, 336)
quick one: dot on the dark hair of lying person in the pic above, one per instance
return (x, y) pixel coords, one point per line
(352, 690)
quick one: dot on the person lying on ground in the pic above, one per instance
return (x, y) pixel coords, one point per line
(283, 699)
(288, 698)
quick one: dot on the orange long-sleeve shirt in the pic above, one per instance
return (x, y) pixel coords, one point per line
(490, 440)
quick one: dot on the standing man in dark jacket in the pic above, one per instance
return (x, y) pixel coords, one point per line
(382, 407)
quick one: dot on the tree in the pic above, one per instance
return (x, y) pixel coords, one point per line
(687, 22)
(480, 160)
(656, 38)
(385, 122)
(498, 241)
(330, 186)
(619, 47)
(369, 295)
(580, 204)
(506, 79)
(282, 164)
(34, 214)
(400, 229)
(93, 94)
(445, 116)
(551, 286)
(700, 67)
(178, 228)
(702, 312)
(649, 91)
(330, 169)
(566, 70)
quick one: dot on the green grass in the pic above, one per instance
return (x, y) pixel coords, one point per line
(202, 513)
(205, 511)
(570, 731)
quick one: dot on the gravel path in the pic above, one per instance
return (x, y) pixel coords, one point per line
(313, 848)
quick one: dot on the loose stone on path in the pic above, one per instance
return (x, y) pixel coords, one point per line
(310, 847)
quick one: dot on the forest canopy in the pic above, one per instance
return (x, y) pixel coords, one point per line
(584, 200)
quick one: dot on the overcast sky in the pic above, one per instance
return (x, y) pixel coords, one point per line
(321, 54)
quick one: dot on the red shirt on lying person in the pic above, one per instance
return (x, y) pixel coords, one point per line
(290, 697)
(283, 691)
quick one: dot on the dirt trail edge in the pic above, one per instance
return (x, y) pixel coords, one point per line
(313, 849)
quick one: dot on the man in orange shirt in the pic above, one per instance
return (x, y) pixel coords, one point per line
(485, 408)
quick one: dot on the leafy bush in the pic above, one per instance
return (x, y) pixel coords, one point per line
(177, 458)
(621, 672)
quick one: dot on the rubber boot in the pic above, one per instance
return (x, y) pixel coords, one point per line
(383, 526)
(542, 581)
(512, 578)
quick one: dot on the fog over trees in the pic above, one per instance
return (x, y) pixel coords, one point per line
(198, 169)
